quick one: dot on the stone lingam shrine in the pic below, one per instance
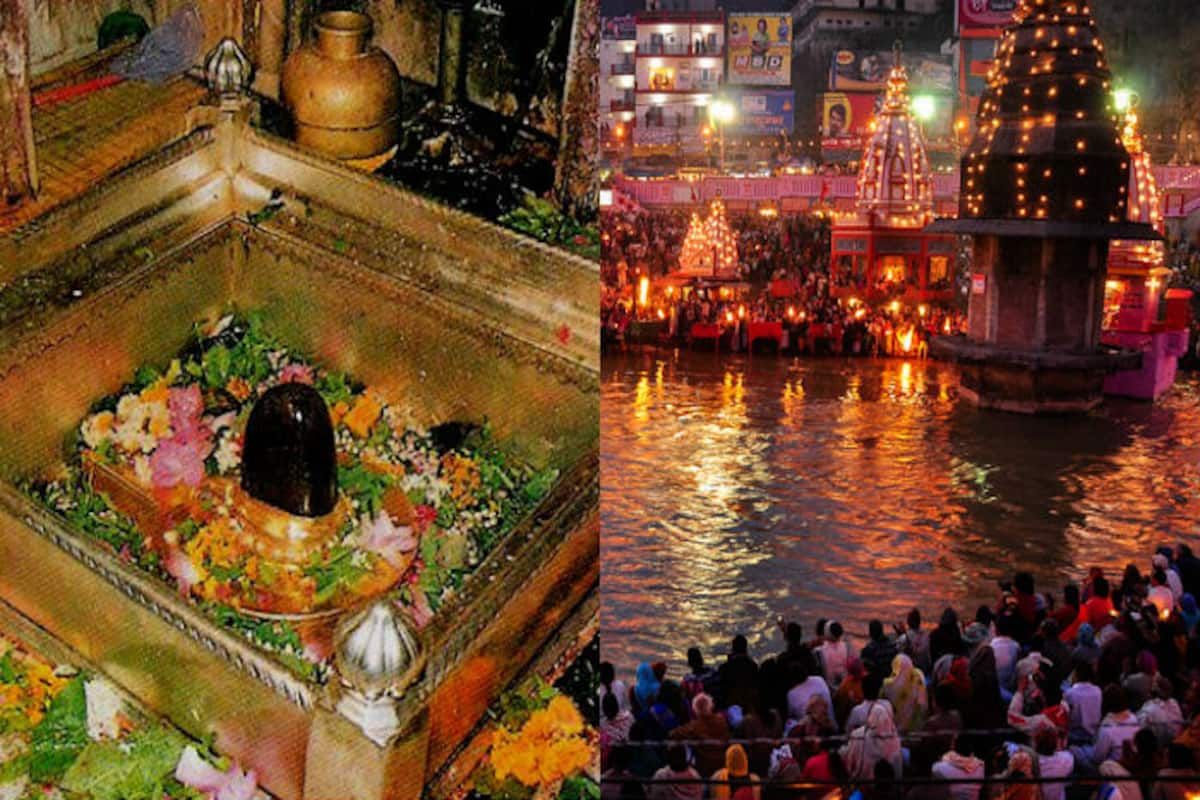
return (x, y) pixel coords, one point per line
(881, 249)
(1045, 186)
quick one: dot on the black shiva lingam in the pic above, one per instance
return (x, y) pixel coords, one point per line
(288, 457)
(289, 499)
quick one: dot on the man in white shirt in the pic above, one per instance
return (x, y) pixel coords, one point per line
(858, 714)
(1084, 699)
(1160, 595)
(834, 655)
(1174, 582)
(1007, 652)
(799, 695)
(1119, 726)
(1053, 763)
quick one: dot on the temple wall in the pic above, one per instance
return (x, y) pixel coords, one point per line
(61, 31)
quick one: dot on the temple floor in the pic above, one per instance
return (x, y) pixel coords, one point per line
(86, 139)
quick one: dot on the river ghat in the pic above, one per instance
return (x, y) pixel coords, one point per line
(736, 489)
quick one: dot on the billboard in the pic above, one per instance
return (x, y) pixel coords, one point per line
(985, 13)
(847, 115)
(760, 49)
(765, 112)
(618, 28)
(867, 71)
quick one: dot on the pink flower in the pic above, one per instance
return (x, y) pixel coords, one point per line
(296, 373)
(180, 459)
(186, 405)
(386, 539)
(181, 568)
(192, 771)
(420, 610)
(425, 516)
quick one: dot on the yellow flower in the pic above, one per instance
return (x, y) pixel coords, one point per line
(157, 392)
(564, 758)
(565, 715)
(463, 475)
(362, 416)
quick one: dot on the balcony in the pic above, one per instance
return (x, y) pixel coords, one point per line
(620, 105)
(624, 68)
(646, 49)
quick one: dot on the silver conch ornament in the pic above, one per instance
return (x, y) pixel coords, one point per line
(377, 652)
(227, 70)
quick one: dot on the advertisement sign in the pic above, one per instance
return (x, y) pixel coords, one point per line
(760, 49)
(867, 71)
(985, 13)
(978, 283)
(618, 28)
(765, 112)
(847, 114)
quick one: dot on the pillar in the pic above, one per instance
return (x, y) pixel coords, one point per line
(452, 63)
(18, 167)
(575, 180)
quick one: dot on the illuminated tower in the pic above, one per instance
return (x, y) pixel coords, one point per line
(880, 250)
(1045, 185)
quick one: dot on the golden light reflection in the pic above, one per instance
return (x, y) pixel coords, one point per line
(731, 494)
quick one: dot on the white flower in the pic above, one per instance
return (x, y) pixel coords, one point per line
(104, 705)
(229, 454)
(14, 790)
(97, 428)
(141, 468)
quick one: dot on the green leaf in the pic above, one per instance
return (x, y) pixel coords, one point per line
(135, 769)
(217, 361)
(61, 735)
(8, 670)
(540, 484)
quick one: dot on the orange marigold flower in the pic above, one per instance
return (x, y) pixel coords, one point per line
(239, 388)
(362, 416)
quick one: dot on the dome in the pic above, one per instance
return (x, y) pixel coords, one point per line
(894, 179)
(1046, 147)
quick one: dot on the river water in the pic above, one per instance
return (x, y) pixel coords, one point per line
(736, 489)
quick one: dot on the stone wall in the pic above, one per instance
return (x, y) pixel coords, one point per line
(61, 31)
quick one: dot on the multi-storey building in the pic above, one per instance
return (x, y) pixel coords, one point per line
(823, 19)
(618, 83)
(679, 67)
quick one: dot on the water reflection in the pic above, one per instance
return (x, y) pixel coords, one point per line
(738, 489)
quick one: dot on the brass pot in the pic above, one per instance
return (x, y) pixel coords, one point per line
(344, 96)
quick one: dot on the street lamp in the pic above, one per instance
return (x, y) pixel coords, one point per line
(722, 113)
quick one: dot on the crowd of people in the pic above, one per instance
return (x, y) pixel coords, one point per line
(1091, 694)
(791, 252)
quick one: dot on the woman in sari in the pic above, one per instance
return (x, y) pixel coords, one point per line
(735, 781)
(905, 690)
(644, 691)
(876, 741)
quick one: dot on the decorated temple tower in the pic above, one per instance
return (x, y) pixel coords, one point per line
(880, 250)
(1045, 185)
(1140, 313)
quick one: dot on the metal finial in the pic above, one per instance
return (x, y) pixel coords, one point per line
(227, 70)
